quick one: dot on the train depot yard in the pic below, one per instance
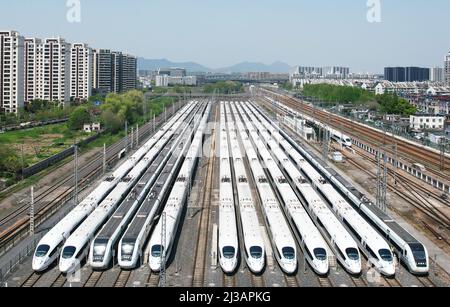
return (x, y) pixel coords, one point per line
(226, 192)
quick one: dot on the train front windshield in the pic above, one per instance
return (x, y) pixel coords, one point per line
(288, 253)
(42, 250)
(352, 253)
(157, 251)
(419, 254)
(228, 252)
(386, 255)
(321, 254)
(256, 252)
(68, 252)
(100, 247)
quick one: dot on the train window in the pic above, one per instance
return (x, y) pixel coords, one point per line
(386, 255)
(68, 252)
(228, 252)
(157, 251)
(352, 253)
(256, 252)
(320, 253)
(100, 247)
(419, 254)
(288, 253)
(42, 250)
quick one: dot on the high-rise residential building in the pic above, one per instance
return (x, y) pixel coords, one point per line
(447, 69)
(56, 70)
(337, 72)
(11, 71)
(103, 71)
(33, 76)
(81, 70)
(406, 74)
(437, 74)
(129, 73)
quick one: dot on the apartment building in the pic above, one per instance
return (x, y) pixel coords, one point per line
(81, 72)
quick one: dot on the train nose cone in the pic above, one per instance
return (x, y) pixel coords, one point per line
(66, 267)
(38, 265)
(155, 265)
(322, 268)
(355, 268)
(388, 270)
(290, 267)
(256, 266)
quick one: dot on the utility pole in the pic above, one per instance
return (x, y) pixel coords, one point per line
(23, 161)
(162, 274)
(381, 179)
(154, 123)
(126, 136)
(32, 212)
(137, 135)
(132, 138)
(104, 158)
(76, 174)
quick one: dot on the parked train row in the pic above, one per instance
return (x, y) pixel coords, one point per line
(408, 249)
(74, 233)
(336, 135)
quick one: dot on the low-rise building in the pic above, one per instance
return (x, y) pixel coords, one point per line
(428, 122)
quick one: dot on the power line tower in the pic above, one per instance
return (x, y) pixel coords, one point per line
(382, 173)
(162, 274)
(32, 212)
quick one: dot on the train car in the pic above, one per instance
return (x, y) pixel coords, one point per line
(308, 236)
(159, 251)
(338, 238)
(228, 236)
(409, 250)
(47, 250)
(284, 247)
(132, 244)
(104, 244)
(253, 243)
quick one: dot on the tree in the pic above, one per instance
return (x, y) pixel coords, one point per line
(78, 118)
(111, 121)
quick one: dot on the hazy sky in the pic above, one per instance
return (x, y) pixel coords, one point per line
(220, 33)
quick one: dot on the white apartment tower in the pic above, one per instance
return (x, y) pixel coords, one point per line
(447, 69)
(11, 71)
(33, 76)
(81, 72)
(56, 70)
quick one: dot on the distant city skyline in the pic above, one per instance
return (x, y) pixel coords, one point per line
(222, 34)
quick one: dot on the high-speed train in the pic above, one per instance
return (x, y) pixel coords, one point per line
(160, 251)
(105, 243)
(284, 246)
(228, 236)
(338, 238)
(370, 242)
(132, 244)
(254, 249)
(336, 135)
(408, 249)
(47, 250)
(310, 239)
(76, 247)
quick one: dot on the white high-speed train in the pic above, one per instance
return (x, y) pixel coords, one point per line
(47, 250)
(161, 251)
(283, 242)
(228, 236)
(310, 239)
(337, 237)
(336, 135)
(76, 248)
(253, 241)
(369, 241)
(104, 244)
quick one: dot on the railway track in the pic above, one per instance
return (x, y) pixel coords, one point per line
(200, 255)
(16, 223)
(291, 281)
(93, 279)
(229, 281)
(416, 152)
(426, 281)
(324, 282)
(122, 279)
(31, 280)
(59, 281)
(392, 282)
(153, 280)
(359, 282)
(257, 281)
(418, 202)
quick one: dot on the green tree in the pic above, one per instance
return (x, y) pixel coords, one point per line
(78, 118)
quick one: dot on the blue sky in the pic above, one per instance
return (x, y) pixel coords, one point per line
(221, 33)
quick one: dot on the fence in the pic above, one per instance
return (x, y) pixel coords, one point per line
(38, 167)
